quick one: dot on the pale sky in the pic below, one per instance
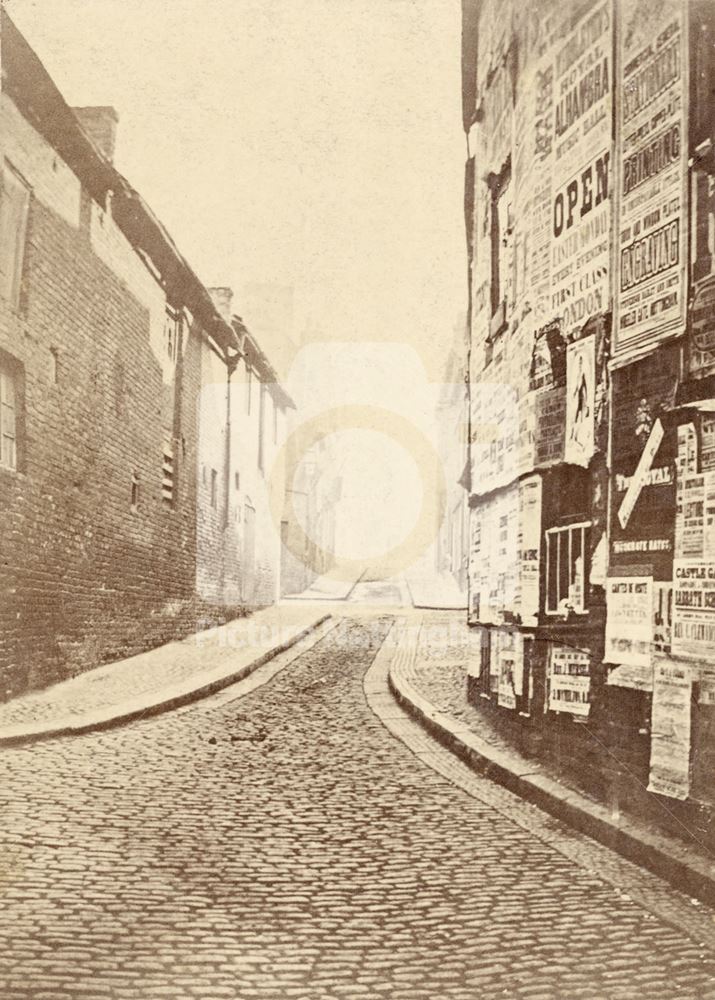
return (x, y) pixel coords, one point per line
(315, 144)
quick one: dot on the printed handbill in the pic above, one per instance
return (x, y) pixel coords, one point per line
(693, 608)
(580, 401)
(670, 731)
(629, 613)
(569, 680)
(511, 671)
(651, 174)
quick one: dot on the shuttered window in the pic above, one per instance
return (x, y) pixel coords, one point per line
(14, 206)
(167, 473)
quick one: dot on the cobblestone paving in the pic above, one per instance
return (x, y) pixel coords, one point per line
(286, 845)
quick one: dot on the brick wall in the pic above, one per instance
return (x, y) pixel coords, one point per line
(86, 576)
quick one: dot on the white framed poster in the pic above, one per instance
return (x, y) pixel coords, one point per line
(579, 445)
(629, 617)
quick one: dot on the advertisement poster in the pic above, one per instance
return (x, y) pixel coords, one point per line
(569, 680)
(643, 498)
(707, 442)
(670, 731)
(511, 670)
(495, 557)
(702, 329)
(495, 435)
(580, 401)
(505, 648)
(629, 615)
(550, 433)
(687, 461)
(651, 175)
(694, 609)
(690, 517)
(581, 167)
(640, 678)
(529, 549)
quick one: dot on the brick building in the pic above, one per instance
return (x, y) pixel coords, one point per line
(241, 470)
(592, 342)
(110, 347)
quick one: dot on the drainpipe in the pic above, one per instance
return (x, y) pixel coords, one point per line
(231, 363)
(230, 367)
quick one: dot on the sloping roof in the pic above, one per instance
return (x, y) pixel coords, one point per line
(26, 81)
(258, 361)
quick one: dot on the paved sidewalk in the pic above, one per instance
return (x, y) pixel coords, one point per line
(428, 679)
(327, 588)
(158, 680)
(435, 590)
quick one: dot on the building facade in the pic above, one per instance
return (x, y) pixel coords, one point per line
(589, 212)
(310, 515)
(113, 476)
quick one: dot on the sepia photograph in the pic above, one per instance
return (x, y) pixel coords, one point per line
(357, 500)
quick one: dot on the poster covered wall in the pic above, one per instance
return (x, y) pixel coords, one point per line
(651, 174)
(505, 554)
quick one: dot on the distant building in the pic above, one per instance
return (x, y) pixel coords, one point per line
(116, 498)
(452, 541)
(310, 514)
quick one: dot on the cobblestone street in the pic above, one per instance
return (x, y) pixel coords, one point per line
(285, 844)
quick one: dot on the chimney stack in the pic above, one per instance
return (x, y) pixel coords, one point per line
(100, 124)
(222, 299)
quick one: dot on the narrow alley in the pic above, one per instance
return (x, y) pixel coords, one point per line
(285, 843)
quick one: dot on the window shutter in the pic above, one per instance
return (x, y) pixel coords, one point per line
(14, 204)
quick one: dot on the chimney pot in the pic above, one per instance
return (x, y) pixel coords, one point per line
(222, 299)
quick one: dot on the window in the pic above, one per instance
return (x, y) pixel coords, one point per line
(135, 491)
(249, 381)
(53, 368)
(237, 480)
(167, 473)
(567, 553)
(8, 419)
(14, 205)
(172, 333)
(214, 488)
